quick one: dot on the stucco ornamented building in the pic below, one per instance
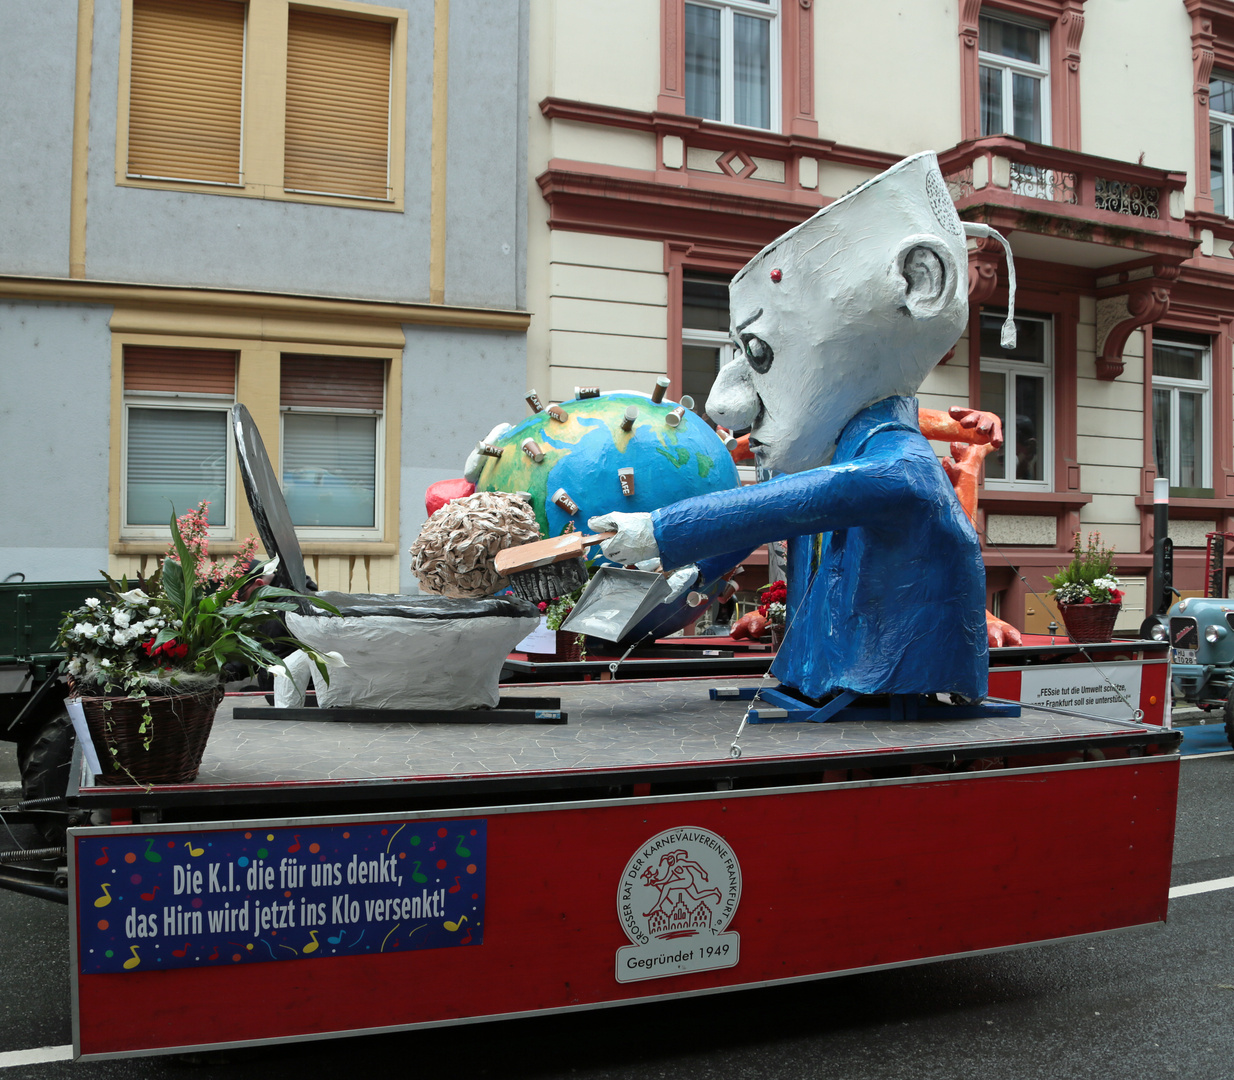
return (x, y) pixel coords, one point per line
(315, 208)
(670, 139)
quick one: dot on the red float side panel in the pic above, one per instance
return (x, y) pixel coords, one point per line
(832, 878)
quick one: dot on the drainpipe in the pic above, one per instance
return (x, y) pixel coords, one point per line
(1162, 593)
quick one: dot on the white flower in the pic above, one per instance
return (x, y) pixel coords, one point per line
(278, 669)
(152, 610)
(93, 602)
(76, 666)
(137, 629)
(135, 597)
(104, 662)
(120, 637)
(120, 618)
(336, 658)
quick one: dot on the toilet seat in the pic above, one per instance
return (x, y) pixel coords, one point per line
(278, 535)
(407, 651)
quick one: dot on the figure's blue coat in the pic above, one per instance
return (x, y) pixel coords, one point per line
(891, 597)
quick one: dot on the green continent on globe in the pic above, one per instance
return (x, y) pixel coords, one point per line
(582, 457)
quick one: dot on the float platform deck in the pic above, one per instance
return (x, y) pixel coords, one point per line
(617, 734)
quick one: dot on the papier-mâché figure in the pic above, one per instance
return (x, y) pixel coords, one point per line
(837, 323)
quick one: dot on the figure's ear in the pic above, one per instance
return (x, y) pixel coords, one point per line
(926, 270)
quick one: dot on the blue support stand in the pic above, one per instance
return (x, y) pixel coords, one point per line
(775, 706)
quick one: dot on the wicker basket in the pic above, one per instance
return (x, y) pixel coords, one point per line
(1089, 623)
(569, 648)
(181, 726)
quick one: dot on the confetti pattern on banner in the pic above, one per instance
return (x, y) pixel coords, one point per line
(240, 896)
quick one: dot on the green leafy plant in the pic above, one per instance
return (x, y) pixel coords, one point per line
(1089, 577)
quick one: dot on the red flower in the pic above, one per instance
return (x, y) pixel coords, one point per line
(1088, 599)
(542, 606)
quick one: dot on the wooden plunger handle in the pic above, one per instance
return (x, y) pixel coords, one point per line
(545, 552)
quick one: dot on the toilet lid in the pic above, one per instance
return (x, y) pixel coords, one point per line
(274, 526)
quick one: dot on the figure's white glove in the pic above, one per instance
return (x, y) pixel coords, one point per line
(476, 460)
(650, 565)
(681, 580)
(635, 539)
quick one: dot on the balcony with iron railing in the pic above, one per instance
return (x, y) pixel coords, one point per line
(1082, 203)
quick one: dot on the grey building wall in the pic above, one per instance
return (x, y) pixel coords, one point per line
(457, 384)
(486, 200)
(55, 386)
(187, 238)
(38, 58)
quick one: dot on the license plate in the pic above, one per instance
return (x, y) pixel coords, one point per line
(1184, 656)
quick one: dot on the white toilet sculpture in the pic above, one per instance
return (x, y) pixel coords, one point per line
(401, 651)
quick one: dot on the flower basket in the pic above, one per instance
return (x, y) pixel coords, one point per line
(180, 727)
(1090, 623)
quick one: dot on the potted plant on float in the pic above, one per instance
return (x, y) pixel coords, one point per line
(555, 611)
(1088, 594)
(147, 661)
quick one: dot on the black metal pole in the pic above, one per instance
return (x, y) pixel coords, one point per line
(1161, 586)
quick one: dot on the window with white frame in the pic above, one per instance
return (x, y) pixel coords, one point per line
(705, 343)
(1220, 140)
(1182, 411)
(1018, 385)
(733, 62)
(178, 449)
(1014, 60)
(333, 412)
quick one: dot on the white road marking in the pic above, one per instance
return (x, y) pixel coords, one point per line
(38, 1056)
(1202, 886)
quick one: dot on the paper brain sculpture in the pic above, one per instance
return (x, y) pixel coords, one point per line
(454, 553)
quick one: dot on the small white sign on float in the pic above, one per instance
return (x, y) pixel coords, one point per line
(1110, 691)
(540, 640)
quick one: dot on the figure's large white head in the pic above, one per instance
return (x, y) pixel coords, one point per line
(854, 305)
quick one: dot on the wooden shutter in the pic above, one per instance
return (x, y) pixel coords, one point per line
(182, 371)
(332, 382)
(185, 90)
(338, 105)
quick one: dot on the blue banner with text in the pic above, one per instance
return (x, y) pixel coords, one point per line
(201, 899)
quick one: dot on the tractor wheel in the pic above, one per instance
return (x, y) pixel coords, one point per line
(1229, 720)
(44, 759)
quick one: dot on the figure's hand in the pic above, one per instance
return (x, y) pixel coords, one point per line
(982, 427)
(635, 539)
(999, 633)
(475, 460)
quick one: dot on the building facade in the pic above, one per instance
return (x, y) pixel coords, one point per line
(316, 209)
(670, 139)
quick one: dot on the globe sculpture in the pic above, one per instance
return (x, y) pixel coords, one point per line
(577, 460)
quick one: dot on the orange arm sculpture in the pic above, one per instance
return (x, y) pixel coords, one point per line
(973, 434)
